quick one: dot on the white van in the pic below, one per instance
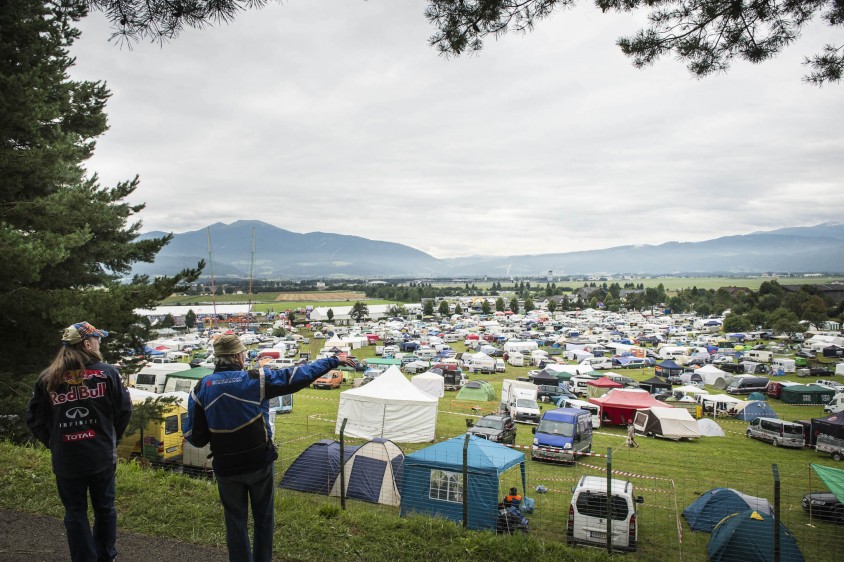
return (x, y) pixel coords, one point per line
(594, 409)
(595, 363)
(835, 405)
(152, 377)
(778, 432)
(578, 384)
(588, 517)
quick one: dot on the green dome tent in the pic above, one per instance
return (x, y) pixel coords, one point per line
(481, 391)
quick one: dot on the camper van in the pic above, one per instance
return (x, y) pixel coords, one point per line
(783, 365)
(587, 522)
(777, 432)
(835, 405)
(759, 356)
(578, 384)
(594, 409)
(745, 384)
(562, 434)
(153, 377)
(595, 363)
(162, 439)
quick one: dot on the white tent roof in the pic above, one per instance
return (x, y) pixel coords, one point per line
(430, 383)
(390, 407)
(689, 389)
(710, 369)
(709, 428)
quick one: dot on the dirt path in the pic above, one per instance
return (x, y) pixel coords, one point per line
(35, 538)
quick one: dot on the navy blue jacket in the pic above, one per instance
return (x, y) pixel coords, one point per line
(230, 410)
(82, 420)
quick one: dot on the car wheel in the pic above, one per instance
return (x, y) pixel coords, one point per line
(836, 456)
(747, 434)
(775, 443)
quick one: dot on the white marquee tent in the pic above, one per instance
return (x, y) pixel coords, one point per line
(390, 407)
(430, 383)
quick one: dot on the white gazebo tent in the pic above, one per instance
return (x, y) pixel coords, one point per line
(390, 407)
(430, 383)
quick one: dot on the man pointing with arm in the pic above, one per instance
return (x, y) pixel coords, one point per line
(230, 410)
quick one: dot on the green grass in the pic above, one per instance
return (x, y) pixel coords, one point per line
(670, 475)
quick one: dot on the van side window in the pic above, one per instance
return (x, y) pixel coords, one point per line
(171, 424)
(769, 425)
(594, 504)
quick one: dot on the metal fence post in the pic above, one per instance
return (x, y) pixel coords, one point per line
(466, 481)
(776, 472)
(343, 464)
(609, 500)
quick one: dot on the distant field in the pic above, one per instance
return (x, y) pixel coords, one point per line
(675, 283)
(270, 297)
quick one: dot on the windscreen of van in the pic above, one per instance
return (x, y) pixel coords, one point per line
(566, 429)
(525, 403)
(145, 379)
(594, 504)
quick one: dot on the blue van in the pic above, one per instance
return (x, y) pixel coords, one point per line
(562, 434)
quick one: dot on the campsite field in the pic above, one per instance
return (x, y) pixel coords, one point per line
(669, 475)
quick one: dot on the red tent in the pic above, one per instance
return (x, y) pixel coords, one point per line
(604, 382)
(619, 405)
(472, 337)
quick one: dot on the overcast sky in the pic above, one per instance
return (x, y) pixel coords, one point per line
(336, 116)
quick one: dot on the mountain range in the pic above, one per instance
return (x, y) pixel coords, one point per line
(280, 253)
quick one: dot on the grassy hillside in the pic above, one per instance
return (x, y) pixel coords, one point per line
(670, 475)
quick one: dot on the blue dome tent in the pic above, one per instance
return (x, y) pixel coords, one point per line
(704, 513)
(749, 536)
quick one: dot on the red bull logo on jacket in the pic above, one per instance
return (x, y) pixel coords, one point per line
(78, 393)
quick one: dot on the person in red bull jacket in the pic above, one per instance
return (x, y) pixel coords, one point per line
(79, 410)
(230, 410)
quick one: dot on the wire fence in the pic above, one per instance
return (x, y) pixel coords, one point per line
(568, 502)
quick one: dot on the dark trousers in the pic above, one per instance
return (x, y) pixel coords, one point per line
(84, 545)
(236, 493)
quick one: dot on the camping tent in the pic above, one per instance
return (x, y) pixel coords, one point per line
(654, 385)
(689, 389)
(545, 378)
(708, 428)
(749, 536)
(373, 473)
(832, 426)
(620, 404)
(720, 403)
(316, 469)
(668, 368)
(755, 409)
(757, 396)
(713, 376)
(667, 422)
(390, 407)
(481, 391)
(601, 386)
(433, 480)
(704, 513)
(430, 383)
(806, 394)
